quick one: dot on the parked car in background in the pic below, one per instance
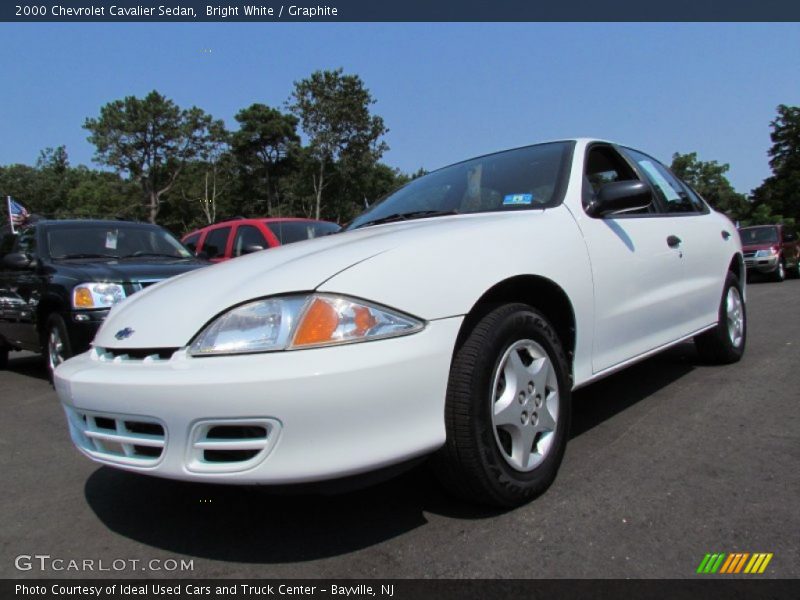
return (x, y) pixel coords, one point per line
(58, 280)
(454, 318)
(229, 239)
(771, 250)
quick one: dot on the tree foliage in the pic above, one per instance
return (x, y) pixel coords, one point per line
(778, 198)
(151, 140)
(334, 112)
(709, 180)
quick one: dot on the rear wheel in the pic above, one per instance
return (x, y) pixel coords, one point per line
(57, 345)
(507, 409)
(725, 343)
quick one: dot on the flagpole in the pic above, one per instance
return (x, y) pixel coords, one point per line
(10, 216)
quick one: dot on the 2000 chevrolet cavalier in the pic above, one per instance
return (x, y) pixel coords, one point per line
(453, 318)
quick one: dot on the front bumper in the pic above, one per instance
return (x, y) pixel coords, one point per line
(274, 418)
(766, 264)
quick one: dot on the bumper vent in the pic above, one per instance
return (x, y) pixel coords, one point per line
(229, 446)
(128, 440)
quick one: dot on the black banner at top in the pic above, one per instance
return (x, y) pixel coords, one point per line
(398, 10)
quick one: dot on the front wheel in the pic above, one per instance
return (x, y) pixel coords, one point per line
(507, 409)
(724, 344)
(57, 344)
(780, 272)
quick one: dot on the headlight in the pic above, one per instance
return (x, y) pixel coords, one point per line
(97, 295)
(766, 253)
(292, 322)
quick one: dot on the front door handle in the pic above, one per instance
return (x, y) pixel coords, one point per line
(673, 241)
(726, 235)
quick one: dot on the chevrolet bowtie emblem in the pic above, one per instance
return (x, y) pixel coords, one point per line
(124, 333)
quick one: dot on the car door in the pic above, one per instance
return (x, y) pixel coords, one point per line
(634, 269)
(21, 292)
(704, 242)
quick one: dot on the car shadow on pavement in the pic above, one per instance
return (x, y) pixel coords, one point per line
(600, 401)
(27, 364)
(252, 525)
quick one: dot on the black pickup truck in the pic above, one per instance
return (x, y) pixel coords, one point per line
(59, 279)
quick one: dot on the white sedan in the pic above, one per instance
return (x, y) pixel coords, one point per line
(454, 318)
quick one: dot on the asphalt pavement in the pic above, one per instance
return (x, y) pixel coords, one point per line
(668, 461)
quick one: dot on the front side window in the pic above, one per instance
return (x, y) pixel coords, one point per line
(191, 242)
(672, 194)
(215, 242)
(247, 235)
(289, 232)
(26, 241)
(525, 178)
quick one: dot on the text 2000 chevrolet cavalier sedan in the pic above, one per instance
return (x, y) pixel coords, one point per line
(453, 318)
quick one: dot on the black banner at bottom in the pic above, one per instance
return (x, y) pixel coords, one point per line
(399, 589)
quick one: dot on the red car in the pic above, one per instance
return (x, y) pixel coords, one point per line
(772, 250)
(230, 239)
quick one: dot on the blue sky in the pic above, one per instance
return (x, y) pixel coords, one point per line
(447, 91)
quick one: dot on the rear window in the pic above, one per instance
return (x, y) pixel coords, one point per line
(288, 232)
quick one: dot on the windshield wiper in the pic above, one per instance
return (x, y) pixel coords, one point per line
(406, 216)
(138, 254)
(84, 255)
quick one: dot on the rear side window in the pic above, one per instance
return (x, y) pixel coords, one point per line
(191, 242)
(247, 235)
(288, 232)
(216, 241)
(672, 194)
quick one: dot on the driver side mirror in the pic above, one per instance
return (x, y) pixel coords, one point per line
(250, 248)
(620, 196)
(18, 260)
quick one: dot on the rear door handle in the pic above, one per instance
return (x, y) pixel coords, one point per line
(726, 235)
(673, 241)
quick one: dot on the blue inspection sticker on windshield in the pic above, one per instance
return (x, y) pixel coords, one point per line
(517, 199)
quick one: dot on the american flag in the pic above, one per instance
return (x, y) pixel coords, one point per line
(17, 214)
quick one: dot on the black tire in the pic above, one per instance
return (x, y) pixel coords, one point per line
(55, 326)
(780, 271)
(719, 345)
(473, 463)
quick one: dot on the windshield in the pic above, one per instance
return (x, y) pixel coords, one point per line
(112, 241)
(759, 235)
(515, 179)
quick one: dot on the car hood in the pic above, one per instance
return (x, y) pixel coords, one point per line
(126, 271)
(394, 264)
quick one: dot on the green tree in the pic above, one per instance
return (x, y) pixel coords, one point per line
(262, 145)
(708, 178)
(343, 136)
(781, 191)
(151, 140)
